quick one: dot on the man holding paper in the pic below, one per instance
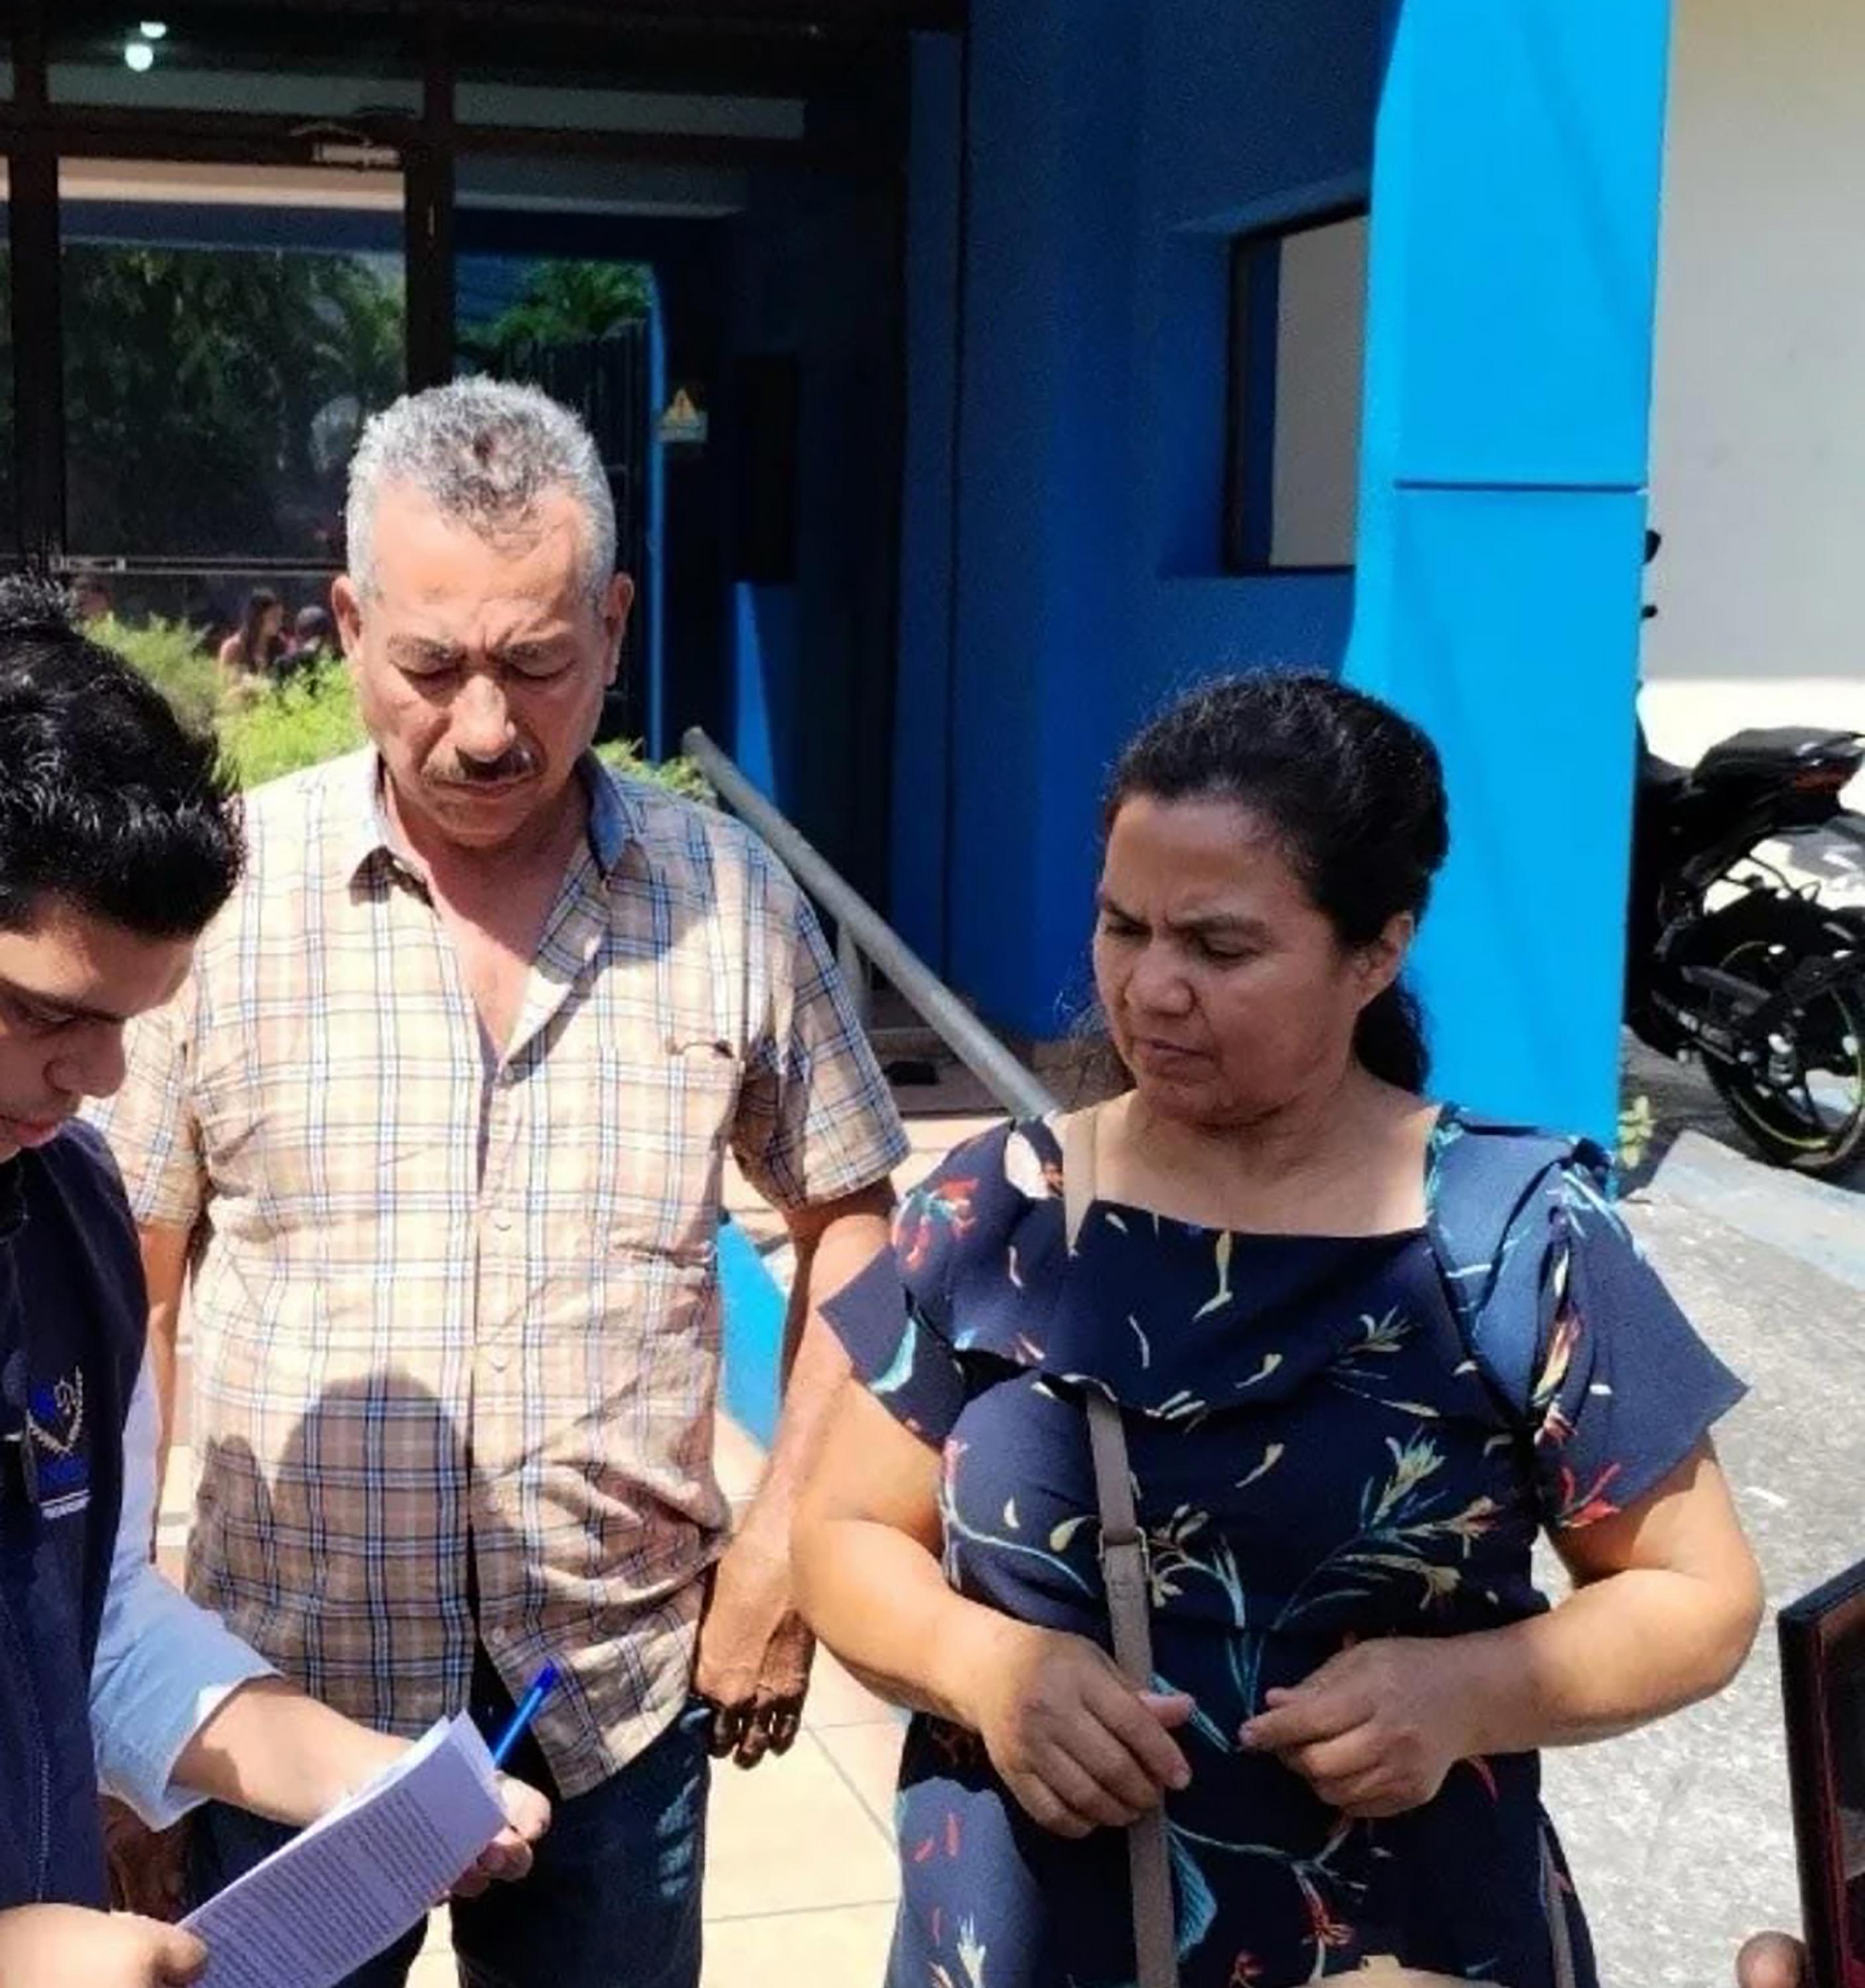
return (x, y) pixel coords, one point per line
(119, 839)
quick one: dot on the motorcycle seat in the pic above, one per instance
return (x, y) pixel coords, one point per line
(1660, 778)
(1777, 750)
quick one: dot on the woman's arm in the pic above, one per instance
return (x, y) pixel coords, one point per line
(1665, 1606)
(1078, 1746)
(866, 1549)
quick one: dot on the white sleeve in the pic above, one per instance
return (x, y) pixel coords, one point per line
(164, 1665)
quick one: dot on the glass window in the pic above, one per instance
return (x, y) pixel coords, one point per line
(226, 332)
(275, 59)
(1298, 355)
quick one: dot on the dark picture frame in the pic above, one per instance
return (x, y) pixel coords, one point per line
(1823, 1682)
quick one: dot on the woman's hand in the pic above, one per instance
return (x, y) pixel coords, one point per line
(508, 1857)
(1076, 1745)
(1375, 1730)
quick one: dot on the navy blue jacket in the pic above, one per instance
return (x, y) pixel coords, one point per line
(72, 1318)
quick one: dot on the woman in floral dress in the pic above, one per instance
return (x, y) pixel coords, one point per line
(1344, 1438)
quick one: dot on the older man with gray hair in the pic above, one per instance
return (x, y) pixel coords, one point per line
(433, 1137)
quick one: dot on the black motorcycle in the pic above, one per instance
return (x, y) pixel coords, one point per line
(1730, 959)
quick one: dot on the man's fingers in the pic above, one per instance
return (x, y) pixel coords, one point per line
(782, 1720)
(727, 1734)
(507, 1858)
(1172, 1708)
(527, 1811)
(753, 1743)
(1771, 1960)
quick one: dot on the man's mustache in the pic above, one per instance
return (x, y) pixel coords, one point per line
(515, 762)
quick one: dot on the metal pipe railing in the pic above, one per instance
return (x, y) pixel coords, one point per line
(859, 925)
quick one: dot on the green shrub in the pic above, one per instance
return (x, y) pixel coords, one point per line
(679, 777)
(169, 653)
(275, 728)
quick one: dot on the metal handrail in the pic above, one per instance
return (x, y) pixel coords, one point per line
(974, 1044)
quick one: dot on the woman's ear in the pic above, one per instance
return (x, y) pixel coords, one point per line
(1380, 963)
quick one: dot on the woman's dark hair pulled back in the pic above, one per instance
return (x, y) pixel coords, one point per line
(1354, 792)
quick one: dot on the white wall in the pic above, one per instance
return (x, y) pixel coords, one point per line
(1759, 441)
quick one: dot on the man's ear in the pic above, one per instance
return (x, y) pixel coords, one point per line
(617, 604)
(346, 605)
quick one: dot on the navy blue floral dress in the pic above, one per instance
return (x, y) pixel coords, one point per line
(1327, 1448)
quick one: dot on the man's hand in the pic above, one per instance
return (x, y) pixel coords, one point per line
(1771, 1960)
(44, 1944)
(508, 1857)
(148, 1872)
(1076, 1745)
(1375, 1730)
(753, 1666)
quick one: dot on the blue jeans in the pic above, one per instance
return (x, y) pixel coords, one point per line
(612, 1902)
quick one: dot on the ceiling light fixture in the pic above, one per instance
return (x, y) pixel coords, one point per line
(153, 31)
(139, 56)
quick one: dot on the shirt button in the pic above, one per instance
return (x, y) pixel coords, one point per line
(502, 1222)
(498, 1359)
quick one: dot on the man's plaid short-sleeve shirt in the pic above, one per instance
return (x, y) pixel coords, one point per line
(449, 1304)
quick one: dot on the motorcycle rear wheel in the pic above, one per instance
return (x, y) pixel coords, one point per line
(1808, 1112)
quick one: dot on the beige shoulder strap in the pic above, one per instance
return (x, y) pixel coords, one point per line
(1077, 1137)
(1129, 1582)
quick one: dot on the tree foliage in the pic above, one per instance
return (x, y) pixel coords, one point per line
(212, 397)
(562, 303)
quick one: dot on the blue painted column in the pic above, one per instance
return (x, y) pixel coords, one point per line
(1516, 223)
(923, 715)
(1041, 624)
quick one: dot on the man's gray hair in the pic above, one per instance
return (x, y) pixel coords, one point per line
(485, 452)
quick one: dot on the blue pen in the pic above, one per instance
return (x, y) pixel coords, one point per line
(526, 1710)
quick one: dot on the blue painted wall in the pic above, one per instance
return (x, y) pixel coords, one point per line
(815, 275)
(1111, 151)
(923, 708)
(1511, 149)
(1517, 186)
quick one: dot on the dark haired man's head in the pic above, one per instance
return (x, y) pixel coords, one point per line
(1271, 844)
(313, 627)
(120, 839)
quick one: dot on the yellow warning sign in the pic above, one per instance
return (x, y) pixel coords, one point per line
(684, 424)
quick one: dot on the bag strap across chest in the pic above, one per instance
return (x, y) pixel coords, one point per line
(1129, 1582)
